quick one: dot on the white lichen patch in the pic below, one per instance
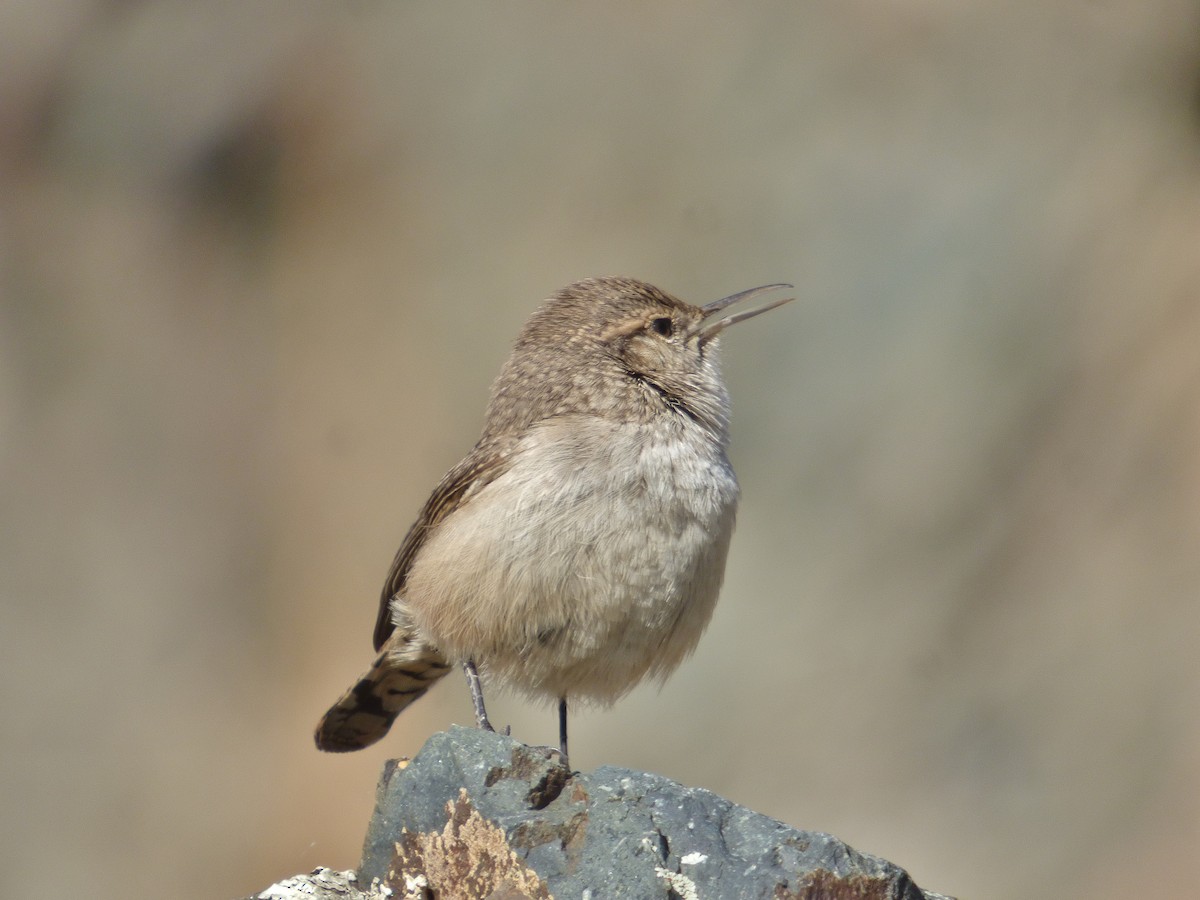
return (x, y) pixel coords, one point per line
(416, 887)
(678, 882)
(327, 881)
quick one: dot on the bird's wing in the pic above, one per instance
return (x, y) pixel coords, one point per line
(487, 462)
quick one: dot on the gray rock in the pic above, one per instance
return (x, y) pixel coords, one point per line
(319, 884)
(478, 814)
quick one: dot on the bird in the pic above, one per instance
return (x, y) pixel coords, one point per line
(579, 548)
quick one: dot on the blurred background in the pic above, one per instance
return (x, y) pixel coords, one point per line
(259, 263)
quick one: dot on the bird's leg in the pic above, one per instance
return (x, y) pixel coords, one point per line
(562, 728)
(476, 688)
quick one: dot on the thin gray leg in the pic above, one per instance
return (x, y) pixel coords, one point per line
(562, 727)
(476, 688)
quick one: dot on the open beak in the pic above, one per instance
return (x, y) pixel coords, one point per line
(713, 325)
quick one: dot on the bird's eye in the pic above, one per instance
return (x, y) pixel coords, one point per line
(663, 326)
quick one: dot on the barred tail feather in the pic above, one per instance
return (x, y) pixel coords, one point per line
(404, 671)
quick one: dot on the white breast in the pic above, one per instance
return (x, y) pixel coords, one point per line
(593, 562)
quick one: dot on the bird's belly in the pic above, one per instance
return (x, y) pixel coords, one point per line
(594, 562)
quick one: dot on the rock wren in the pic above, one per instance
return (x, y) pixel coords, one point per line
(580, 546)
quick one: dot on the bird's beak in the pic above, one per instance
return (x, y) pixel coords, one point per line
(710, 326)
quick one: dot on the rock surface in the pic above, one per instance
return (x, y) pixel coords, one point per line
(323, 883)
(478, 815)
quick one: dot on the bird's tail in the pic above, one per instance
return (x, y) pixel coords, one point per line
(406, 669)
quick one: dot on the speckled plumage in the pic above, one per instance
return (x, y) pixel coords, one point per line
(580, 546)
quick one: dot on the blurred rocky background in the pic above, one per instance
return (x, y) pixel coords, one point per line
(259, 262)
